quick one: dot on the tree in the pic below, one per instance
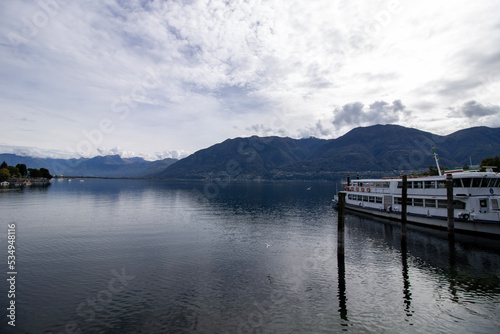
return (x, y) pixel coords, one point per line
(14, 171)
(432, 171)
(4, 174)
(42, 172)
(34, 172)
(45, 173)
(3, 165)
(22, 169)
(491, 162)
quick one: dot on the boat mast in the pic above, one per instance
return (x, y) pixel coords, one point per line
(437, 159)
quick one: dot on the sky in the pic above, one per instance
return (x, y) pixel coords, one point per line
(162, 79)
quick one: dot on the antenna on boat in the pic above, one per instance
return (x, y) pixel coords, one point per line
(437, 159)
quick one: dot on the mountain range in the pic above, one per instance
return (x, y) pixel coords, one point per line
(100, 166)
(376, 149)
(373, 149)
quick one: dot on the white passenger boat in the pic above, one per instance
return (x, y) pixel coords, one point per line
(476, 197)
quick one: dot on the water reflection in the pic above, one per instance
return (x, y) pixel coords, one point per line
(452, 266)
(406, 278)
(257, 257)
(342, 284)
(466, 262)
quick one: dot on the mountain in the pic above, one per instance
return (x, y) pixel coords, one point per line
(101, 166)
(244, 158)
(382, 149)
(378, 148)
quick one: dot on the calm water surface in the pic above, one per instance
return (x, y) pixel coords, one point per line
(135, 256)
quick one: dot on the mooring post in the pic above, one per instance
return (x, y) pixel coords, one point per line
(404, 203)
(341, 219)
(451, 211)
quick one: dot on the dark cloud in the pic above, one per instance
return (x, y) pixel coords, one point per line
(473, 109)
(398, 105)
(379, 112)
(351, 113)
(318, 130)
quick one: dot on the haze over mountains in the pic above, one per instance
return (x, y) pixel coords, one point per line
(378, 148)
(100, 166)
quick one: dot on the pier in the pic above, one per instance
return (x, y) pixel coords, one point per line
(26, 182)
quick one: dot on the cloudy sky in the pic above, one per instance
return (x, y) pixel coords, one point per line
(167, 78)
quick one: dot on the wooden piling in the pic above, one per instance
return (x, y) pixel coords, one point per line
(451, 210)
(404, 203)
(341, 219)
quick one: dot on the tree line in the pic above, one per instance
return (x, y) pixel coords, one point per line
(20, 170)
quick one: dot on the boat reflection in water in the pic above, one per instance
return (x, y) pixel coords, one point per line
(464, 271)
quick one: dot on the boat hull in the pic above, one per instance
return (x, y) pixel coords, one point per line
(491, 229)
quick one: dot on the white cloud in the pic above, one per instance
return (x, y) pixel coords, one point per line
(183, 75)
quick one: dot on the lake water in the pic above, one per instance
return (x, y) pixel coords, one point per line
(136, 256)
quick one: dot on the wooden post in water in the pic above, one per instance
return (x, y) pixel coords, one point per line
(404, 200)
(451, 211)
(341, 219)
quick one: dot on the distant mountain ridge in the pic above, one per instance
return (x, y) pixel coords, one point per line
(247, 158)
(100, 166)
(378, 148)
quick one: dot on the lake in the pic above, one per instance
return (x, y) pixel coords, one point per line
(144, 256)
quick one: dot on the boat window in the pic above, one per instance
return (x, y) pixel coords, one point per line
(365, 198)
(379, 199)
(441, 184)
(483, 203)
(457, 183)
(430, 203)
(491, 183)
(459, 205)
(409, 201)
(349, 196)
(410, 185)
(418, 202)
(417, 185)
(430, 184)
(466, 182)
(372, 199)
(398, 200)
(494, 204)
(476, 183)
(400, 184)
(498, 183)
(484, 182)
(442, 203)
